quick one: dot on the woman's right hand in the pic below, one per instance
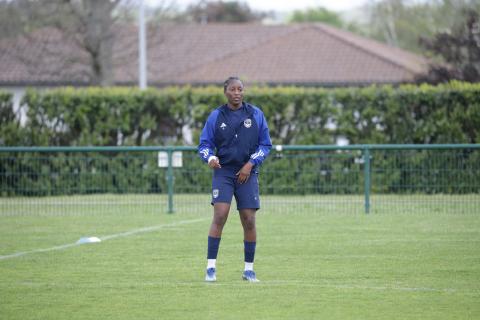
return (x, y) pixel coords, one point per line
(214, 163)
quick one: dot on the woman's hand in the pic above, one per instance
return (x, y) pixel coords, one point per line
(244, 173)
(214, 163)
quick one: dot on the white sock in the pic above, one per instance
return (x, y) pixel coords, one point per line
(211, 263)
(248, 266)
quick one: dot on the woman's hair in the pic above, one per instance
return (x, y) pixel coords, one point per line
(229, 80)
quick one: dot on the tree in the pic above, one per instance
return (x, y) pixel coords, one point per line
(166, 12)
(219, 11)
(460, 49)
(317, 15)
(400, 23)
(87, 24)
(23, 16)
(92, 28)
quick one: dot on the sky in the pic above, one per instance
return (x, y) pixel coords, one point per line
(284, 5)
(290, 5)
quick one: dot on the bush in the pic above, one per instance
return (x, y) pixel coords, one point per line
(448, 113)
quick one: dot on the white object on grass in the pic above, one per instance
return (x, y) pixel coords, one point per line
(104, 238)
(88, 240)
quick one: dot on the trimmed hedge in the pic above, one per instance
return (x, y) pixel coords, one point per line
(105, 117)
(411, 114)
(448, 113)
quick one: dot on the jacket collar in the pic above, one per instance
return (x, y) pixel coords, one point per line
(248, 107)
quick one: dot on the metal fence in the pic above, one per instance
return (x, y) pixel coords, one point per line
(305, 179)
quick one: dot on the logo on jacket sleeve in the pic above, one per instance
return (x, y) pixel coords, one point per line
(205, 152)
(223, 126)
(247, 123)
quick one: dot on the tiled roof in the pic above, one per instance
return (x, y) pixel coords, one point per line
(43, 58)
(199, 54)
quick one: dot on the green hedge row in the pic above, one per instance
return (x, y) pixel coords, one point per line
(123, 116)
(447, 113)
(99, 117)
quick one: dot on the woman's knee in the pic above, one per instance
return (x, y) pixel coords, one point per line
(219, 219)
(248, 222)
(220, 214)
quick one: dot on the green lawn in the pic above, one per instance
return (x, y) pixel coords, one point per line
(314, 262)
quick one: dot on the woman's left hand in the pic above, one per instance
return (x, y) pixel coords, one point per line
(244, 173)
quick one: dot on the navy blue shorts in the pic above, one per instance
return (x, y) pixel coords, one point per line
(225, 185)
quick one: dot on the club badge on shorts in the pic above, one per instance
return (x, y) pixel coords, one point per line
(215, 193)
(247, 123)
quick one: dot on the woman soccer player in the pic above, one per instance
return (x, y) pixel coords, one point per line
(234, 142)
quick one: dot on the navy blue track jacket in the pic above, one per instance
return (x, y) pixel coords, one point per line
(236, 137)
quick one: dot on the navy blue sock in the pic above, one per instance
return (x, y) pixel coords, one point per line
(213, 244)
(249, 250)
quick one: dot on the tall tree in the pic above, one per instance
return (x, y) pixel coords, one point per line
(219, 11)
(88, 24)
(317, 15)
(22, 16)
(92, 28)
(400, 23)
(459, 51)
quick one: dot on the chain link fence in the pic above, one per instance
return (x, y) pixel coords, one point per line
(348, 179)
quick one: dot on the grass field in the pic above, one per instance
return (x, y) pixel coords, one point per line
(314, 262)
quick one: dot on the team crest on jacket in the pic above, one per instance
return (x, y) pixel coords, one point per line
(247, 123)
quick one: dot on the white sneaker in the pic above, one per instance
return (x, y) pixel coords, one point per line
(210, 276)
(250, 276)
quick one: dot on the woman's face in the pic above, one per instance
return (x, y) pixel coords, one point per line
(234, 93)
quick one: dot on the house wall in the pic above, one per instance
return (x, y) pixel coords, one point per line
(18, 93)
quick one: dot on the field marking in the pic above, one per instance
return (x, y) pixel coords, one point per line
(103, 238)
(281, 283)
(362, 287)
(23, 253)
(317, 285)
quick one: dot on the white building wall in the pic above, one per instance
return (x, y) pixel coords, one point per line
(18, 93)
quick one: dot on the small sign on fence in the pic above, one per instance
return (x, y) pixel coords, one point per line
(176, 159)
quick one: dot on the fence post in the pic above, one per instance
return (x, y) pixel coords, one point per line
(366, 173)
(170, 180)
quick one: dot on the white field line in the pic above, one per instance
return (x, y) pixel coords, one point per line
(299, 284)
(361, 287)
(330, 286)
(281, 283)
(104, 238)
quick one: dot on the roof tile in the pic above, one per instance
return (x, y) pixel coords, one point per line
(194, 54)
